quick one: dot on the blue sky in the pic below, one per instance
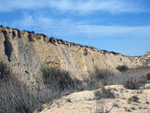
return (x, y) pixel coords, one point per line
(115, 25)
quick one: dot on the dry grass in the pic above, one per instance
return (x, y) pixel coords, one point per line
(104, 93)
(4, 70)
(58, 79)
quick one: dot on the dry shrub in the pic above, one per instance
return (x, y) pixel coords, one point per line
(58, 79)
(101, 74)
(134, 99)
(122, 68)
(98, 78)
(148, 76)
(104, 93)
(4, 70)
(131, 83)
(101, 105)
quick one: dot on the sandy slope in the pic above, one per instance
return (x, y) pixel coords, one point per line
(85, 102)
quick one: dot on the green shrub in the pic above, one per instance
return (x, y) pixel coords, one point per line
(148, 76)
(4, 70)
(131, 83)
(122, 68)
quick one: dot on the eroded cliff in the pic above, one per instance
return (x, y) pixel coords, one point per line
(27, 52)
(26, 88)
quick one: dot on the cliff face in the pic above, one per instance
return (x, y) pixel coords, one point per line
(26, 53)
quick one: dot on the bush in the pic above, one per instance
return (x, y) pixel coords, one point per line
(115, 53)
(98, 77)
(134, 99)
(22, 109)
(4, 71)
(148, 76)
(101, 74)
(122, 68)
(91, 84)
(41, 34)
(131, 83)
(58, 79)
(104, 93)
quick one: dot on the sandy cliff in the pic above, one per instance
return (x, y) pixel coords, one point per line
(26, 52)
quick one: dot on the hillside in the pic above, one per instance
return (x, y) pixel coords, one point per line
(27, 51)
(36, 69)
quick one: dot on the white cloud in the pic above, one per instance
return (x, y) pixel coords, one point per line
(113, 31)
(113, 6)
(81, 6)
(26, 22)
(69, 28)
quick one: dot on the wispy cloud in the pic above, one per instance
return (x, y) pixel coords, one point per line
(81, 6)
(113, 31)
(82, 20)
(67, 27)
(113, 6)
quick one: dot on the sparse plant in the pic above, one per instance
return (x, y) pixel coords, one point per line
(140, 107)
(115, 53)
(4, 70)
(122, 68)
(116, 105)
(98, 78)
(58, 79)
(22, 109)
(100, 74)
(148, 76)
(146, 98)
(104, 83)
(128, 110)
(68, 100)
(91, 84)
(133, 99)
(41, 34)
(103, 107)
(133, 108)
(104, 93)
(131, 83)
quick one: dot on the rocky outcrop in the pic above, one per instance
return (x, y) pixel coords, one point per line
(27, 52)
(147, 53)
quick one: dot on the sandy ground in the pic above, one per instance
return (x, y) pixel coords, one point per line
(85, 102)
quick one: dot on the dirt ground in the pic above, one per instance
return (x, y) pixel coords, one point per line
(85, 102)
(126, 100)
